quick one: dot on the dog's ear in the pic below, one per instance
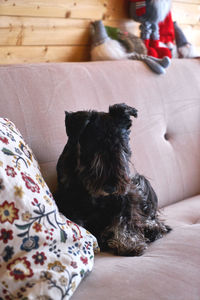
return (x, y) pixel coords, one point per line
(121, 113)
(76, 122)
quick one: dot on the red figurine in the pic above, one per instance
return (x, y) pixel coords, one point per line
(149, 14)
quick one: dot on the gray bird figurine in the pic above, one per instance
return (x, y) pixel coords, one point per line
(103, 47)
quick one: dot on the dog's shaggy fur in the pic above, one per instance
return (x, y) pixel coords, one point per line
(95, 188)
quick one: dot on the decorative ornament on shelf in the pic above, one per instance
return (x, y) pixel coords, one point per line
(184, 48)
(172, 37)
(109, 43)
(149, 14)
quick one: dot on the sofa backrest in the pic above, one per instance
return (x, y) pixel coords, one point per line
(165, 139)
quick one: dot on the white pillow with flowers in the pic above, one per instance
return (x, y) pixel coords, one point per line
(43, 255)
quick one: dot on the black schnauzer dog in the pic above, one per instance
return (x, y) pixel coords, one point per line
(95, 188)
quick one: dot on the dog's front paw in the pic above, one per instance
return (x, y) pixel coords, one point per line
(129, 246)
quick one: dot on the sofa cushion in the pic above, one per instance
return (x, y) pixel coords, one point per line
(42, 254)
(168, 270)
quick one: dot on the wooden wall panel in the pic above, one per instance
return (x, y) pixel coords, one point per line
(53, 8)
(186, 13)
(34, 54)
(58, 30)
(18, 31)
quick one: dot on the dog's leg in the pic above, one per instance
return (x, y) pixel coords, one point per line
(153, 228)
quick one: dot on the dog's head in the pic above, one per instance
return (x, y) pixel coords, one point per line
(101, 143)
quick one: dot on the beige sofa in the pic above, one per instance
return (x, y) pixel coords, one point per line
(165, 142)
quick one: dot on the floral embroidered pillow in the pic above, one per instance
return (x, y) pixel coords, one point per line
(43, 255)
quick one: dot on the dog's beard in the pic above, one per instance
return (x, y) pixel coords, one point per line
(95, 177)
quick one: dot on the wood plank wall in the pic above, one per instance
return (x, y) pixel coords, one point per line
(58, 30)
